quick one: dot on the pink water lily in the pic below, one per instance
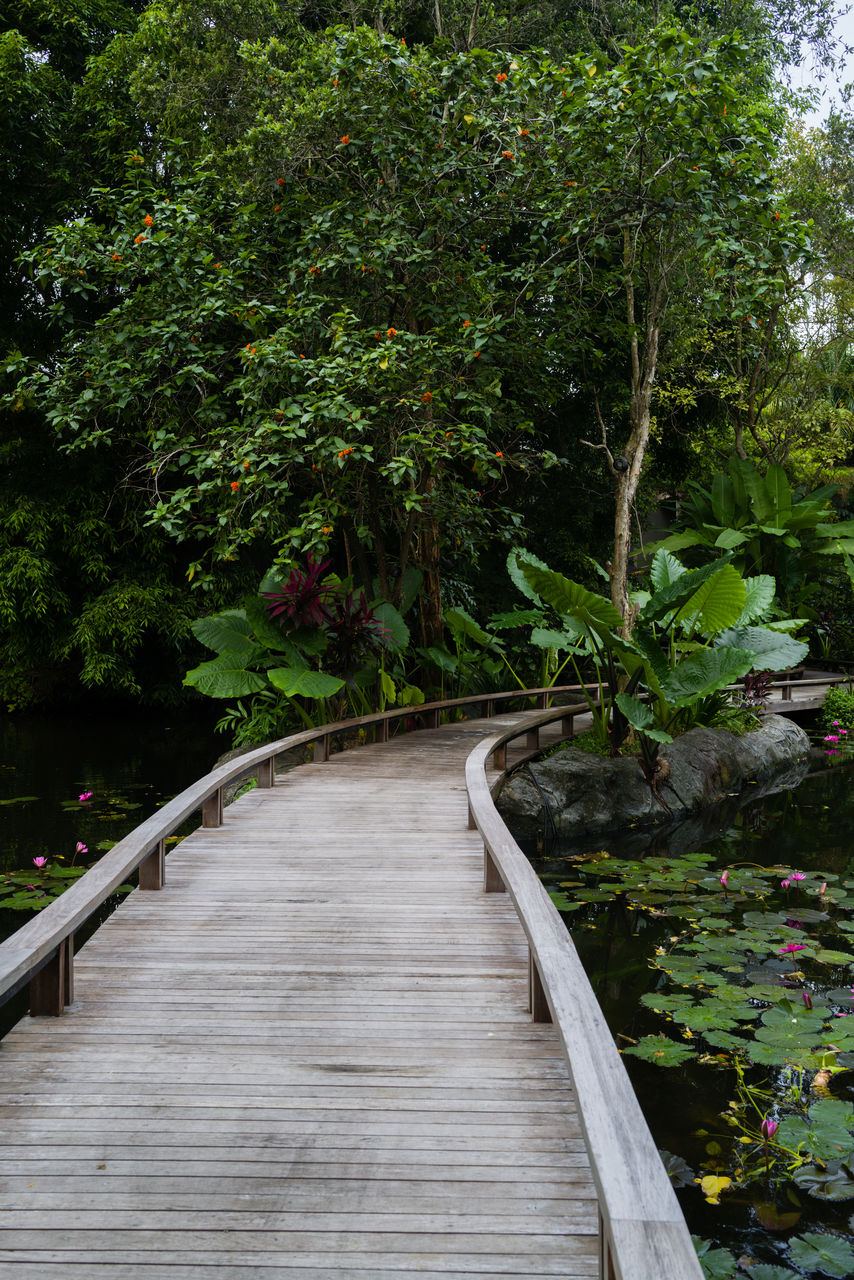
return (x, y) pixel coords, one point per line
(39, 862)
(85, 795)
(807, 998)
(792, 946)
(784, 884)
(81, 847)
(724, 878)
(797, 875)
(768, 1128)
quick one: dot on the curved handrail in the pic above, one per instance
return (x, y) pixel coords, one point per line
(643, 1234)
(39, 940)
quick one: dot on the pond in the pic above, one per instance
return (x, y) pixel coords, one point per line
(725, 973)
(85, 778)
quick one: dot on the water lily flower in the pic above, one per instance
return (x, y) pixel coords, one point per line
(768, 1128)
(725, 877)
(81, 847)
(39, 862)
(791, 946)
(823, 890)
(784, 884)
(797, 875)
(807, 998)
(85, 795)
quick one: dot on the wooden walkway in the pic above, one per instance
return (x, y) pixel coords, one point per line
(309, 1055)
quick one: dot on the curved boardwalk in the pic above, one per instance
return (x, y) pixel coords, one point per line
(309, 1055)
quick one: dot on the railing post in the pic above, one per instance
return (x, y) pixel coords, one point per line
(321, 749)
(567, 725)
(472, 825)
(432, 719)
(490, 708)
(532, 738)
(212, 810)
(499, 756)
(542, 701)
(265, 773)
(606, 1260)
(381, 734)
(492, 882)
(537, 1002)
(152, 870)
(52, 988)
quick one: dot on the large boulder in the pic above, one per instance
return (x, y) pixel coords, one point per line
(586, 794)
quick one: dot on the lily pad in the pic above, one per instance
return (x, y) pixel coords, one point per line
(661, 1051)
(679, 1171)
(831, 1255)
(826, 1182)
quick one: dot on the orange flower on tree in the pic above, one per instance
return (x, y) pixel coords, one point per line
(499, 454)
(466, 323)
(345, 140)
(280, 182)
(508, 155)
(501, 77)
(391, 333)
(139, 240)
(427, 397)
(148, 221)
(235, 485)
(477, 355)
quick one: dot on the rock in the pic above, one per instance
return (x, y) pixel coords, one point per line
(588, 794)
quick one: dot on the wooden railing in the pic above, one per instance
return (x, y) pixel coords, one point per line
(642, 1232)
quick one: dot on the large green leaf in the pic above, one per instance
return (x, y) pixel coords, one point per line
(681, 541)
(395, 630)
(516, 561)
(727, 539)
(671, 598)
(775, 651)
(703, 673)
(723, 499)
(592, 612)
(463, 624)
(831, 1255)
(760, 590)
(780, 491)
(228, 632)
(304, 682)
(225, 677)
(807, 513)
(717, 602)
(640, 717)
(266, 630)
(664, 570)
(567, 641)
(756, 489)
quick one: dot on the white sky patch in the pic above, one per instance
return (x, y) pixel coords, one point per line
(829, 88)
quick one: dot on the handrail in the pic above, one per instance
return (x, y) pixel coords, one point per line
(642, 1232)
(41, 951)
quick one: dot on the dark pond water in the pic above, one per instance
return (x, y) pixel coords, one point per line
(808, 827)
(131, 761)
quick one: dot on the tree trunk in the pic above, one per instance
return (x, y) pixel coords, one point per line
(432, 624)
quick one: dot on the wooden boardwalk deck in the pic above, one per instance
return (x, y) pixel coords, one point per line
(309, 1055)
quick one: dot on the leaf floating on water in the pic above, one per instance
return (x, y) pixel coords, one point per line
(19, 800)
(660, 1051)
(831, 1255)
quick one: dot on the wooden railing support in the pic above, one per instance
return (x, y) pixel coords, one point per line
(567, 726)
(532, 739)
(265, 773)
(152, 870)
(212, 810)
(321, 749)
(537, 1002)
(490, 708)
(492, 882)
(499, 757)
(52, 988)
(606, 1258)
(542, 701)
(381, 734)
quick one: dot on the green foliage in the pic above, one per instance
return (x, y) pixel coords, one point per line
(838, 706)
(683, 647)
(764, 527)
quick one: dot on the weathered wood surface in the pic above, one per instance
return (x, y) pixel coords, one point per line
(309, 1054)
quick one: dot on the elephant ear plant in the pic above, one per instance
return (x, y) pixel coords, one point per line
(696, 632)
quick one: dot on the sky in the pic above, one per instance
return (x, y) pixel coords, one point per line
(805, 76)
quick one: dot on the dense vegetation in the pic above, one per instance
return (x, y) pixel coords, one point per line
(393, 286)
